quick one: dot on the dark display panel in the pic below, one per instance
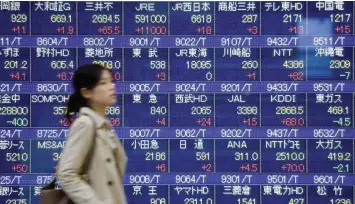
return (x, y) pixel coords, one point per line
(218, 102)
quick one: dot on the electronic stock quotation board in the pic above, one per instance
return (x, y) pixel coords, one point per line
(219, 102)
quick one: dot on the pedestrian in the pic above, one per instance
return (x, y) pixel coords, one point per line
(91, 137)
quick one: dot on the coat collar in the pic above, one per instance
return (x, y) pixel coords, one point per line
(99, 120)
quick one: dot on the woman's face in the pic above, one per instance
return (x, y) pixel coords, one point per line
(104, 94)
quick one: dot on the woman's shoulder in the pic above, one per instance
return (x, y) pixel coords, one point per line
(82, 121)
(82, 127)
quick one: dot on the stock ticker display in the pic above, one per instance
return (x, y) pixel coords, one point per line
(219, 102)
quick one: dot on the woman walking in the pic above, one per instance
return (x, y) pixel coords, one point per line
(91, 137)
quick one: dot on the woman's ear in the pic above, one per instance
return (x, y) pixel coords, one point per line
(86, 93)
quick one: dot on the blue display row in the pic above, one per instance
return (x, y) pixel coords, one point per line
(294, 64)
(35, 133)
(209, 194)
(191, 110)
(233, 155)
(187, 87)
(177, 18)
(199, 179)
(114, 41)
